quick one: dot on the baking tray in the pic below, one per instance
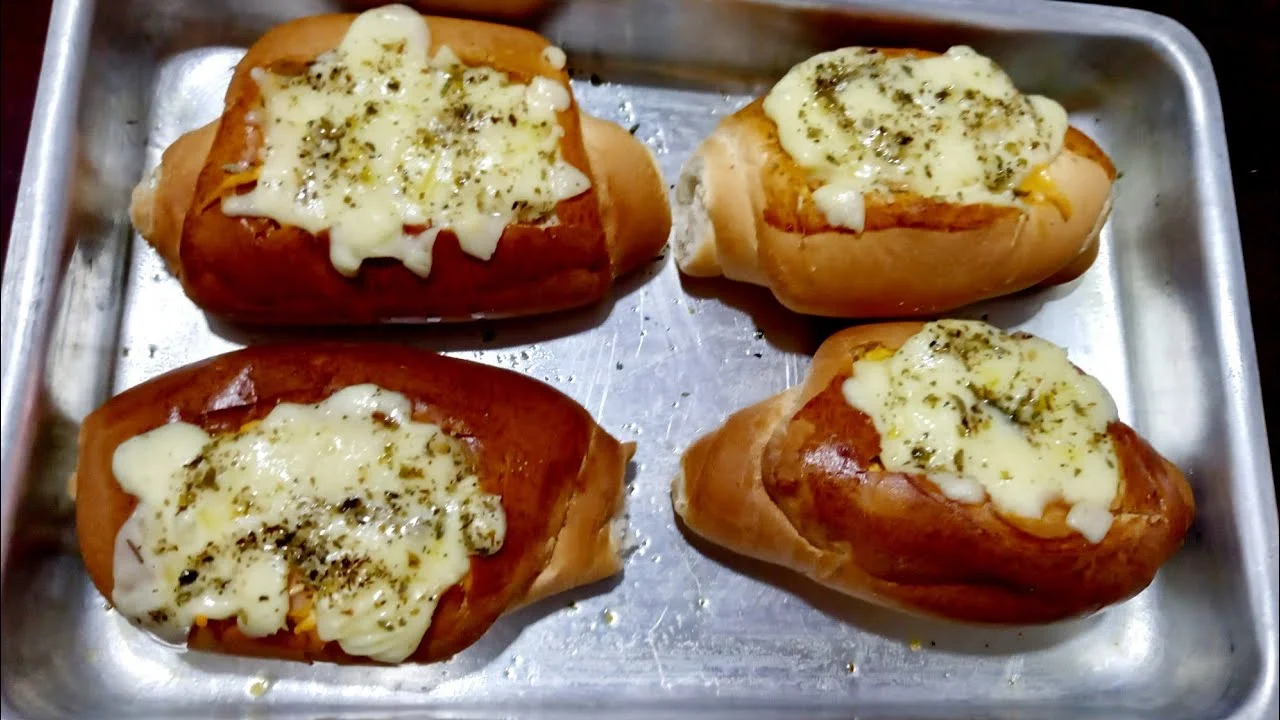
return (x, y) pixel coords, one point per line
(1162, 319)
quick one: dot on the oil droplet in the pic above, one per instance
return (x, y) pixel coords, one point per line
(658, 142)
(627, 112)
(610, 617)
(259, 686)
(639, 546)
(916, 645)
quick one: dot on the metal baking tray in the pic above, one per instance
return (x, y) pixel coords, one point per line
(1162, 319)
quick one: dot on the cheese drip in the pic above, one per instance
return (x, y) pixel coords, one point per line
(991, 414)
(367, 512)
(376, 140)
(952, 127)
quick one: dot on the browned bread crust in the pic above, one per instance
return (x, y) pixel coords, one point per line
(253, 270)
(792, 481)
(559, 474)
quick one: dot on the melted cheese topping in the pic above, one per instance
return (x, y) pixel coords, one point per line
(347, 505)
(951, 127)
(554, 57)
(991, 414)
(375, 141)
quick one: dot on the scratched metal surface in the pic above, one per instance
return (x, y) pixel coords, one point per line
(688, 628)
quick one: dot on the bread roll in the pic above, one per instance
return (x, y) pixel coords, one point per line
(221, 231)
(803, 480)
(557, 476)
(746, 209)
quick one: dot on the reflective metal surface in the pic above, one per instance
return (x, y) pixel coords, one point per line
(688, 629)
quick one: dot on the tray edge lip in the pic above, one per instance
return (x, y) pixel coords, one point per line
(36, 240)
(1253, 476)
(71, 20)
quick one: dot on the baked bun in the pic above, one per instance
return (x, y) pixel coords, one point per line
(541, 243)
(558, 479)
(747, 210)
(802, 480)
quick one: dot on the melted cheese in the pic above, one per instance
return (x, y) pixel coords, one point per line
(1040, 187)
(951, 127)
(347, 507)
(377, 140)
(989, 414)
(554, 57)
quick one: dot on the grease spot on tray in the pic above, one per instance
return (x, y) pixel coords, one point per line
(259, 686)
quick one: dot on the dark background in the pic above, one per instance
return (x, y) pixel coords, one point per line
(1240, 35)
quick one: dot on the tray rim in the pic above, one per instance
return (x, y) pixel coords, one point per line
(36, 239)
(32, 271)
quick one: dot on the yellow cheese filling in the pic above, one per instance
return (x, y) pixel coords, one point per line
(1039, 187)
(347, 518)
